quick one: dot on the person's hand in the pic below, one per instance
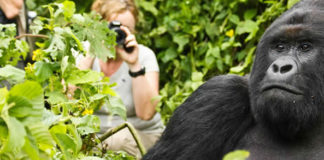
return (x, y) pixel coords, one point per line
(11, 8)
(130, 58)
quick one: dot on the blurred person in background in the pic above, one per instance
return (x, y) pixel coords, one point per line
(136, 73)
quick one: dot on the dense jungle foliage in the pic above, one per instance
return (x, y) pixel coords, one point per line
(197, 39)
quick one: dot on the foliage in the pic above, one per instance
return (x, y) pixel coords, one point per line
(66, 128)
(197, 39)
(10, 48)
(237, 155)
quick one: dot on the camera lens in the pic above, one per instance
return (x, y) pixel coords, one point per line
(121, 35)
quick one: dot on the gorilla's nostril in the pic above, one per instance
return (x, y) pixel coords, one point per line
(275, 68)
(285, 69)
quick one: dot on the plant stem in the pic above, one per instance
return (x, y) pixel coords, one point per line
(32, 35)
(132, 131)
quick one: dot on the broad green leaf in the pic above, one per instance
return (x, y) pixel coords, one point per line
(83, 76)
(76, 138)
(42, 136)
(59, 128)
(43, 70)
(234, 19)
(68, 9)
(247, 26)
(64, 64)
(102, 40)
(116, 107)
(56, 97)
(3, 96)
(3, 130)
(16, 135)
(87, 124)
(149, 6)
(56, 43)
(107, 90)
(34, 93)
(22, 106)
(12, 74)
(169, 54)
(66, 144)
(237, 155)
(181, 40)
(49, 118)
(30, 90)
(212, 30)
(197, 76)
(249, 14)
(31, 149)
(97, 97)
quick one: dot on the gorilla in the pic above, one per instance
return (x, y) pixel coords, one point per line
(276, 113)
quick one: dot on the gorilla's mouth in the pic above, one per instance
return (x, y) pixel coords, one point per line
(284, 87)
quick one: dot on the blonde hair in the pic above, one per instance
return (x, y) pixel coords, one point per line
(106, 8)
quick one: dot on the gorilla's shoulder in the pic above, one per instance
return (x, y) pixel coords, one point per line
(218, 111)
(219, 91)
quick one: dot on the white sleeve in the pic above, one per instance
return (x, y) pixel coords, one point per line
(147, 58)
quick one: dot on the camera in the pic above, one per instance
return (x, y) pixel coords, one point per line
(121, 35)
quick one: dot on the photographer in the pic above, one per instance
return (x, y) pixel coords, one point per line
(136, 72)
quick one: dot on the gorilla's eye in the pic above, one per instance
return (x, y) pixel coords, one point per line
(305, 47)
(280, 47)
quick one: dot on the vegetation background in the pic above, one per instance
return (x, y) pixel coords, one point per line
(194, 40)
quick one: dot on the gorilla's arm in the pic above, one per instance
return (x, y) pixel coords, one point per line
(208, 124)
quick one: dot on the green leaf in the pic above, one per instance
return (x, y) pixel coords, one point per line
(76, 138)
(59, 128)
(64, 64)
(234, 19)
(22, 107)
(102, 40)
(247, 26)
(12, 74)
(68, 9)
(16, 135)
(67, 145)
(97, 97)
(107, 90)
(83, 76)
(291, 3)
(181, 40)
(42, 136)
(197, 76)
(149, 6)
(87, 124)
(34, 93)
(43, 70)
(249, 14)
(169, 54)
(31, 149)
(237, 155)
(56, 97)
(3, 97)
(116, 107)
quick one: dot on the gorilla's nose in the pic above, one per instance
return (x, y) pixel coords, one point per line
(282, 69)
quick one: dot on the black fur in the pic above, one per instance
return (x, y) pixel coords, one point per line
(211, 119)
(277, 112)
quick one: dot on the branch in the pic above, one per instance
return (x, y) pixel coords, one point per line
(132, 131)
(32, 35)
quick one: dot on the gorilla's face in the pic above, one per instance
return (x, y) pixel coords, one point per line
(286, 86)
